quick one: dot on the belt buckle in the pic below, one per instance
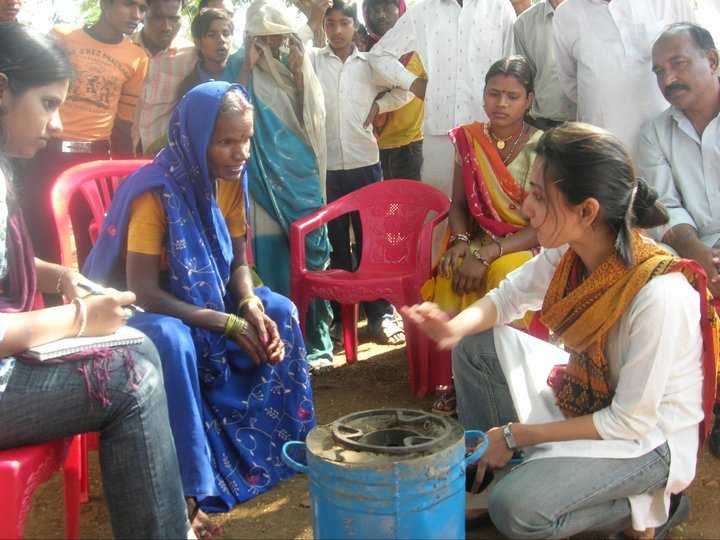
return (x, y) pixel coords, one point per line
(76, 147)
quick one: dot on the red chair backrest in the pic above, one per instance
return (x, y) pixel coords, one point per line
(392, 214)
(96, 181)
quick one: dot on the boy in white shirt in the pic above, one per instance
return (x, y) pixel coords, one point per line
(353, 159)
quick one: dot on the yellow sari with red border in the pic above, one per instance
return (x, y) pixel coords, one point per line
(494, 194)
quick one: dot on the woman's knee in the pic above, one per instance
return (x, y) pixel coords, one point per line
(517, 512)
(144, 373)
(467, 352)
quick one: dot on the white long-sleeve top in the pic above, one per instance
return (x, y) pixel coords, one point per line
(457, 44)
(654, 357)
(603, 52)
(350, 88)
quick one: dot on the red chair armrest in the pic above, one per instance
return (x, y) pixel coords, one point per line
(424, 262)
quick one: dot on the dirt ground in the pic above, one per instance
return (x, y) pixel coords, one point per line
(379, 379)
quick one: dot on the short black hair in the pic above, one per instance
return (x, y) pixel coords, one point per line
(700, 36)
(183, 3)
(346, 7)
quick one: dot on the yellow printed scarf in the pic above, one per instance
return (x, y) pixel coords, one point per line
(581, 313)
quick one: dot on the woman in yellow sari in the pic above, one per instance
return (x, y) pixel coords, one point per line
(489, 235)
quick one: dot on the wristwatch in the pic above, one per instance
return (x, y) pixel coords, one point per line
(508, 436)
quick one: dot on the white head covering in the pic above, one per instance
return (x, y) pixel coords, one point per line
(265, 18)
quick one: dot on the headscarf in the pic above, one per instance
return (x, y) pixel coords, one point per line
(582, 312)
(264, 18)
(199, 249)
(374, 36)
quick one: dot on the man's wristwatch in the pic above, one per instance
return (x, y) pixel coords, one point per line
(508, 436)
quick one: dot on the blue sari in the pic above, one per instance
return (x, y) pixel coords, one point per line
(229, 417)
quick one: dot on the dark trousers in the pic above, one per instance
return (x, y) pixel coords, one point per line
(341, 183)
(402, 162)
(37, 178)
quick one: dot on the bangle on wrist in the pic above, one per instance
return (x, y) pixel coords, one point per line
(250, 299)
(497, 242)
(235, 327)
(475, 252)
(59, 284)
(463, 236)
(80, 313)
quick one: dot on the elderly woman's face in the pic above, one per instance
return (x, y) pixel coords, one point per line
(274, 42)
(230, 145)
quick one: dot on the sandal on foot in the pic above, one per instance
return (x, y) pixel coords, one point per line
(446, 402)
(201, 524)
(319, 366)
(389, 331)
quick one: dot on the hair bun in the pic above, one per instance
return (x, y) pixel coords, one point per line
(647, 210)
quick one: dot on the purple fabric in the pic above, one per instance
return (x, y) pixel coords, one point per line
(21, 288)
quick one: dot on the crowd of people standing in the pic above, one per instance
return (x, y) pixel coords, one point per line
(537, 119)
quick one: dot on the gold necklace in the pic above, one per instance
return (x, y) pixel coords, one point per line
(502, 143)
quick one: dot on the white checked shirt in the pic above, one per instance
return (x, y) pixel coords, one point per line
(350, 89)
(166, 71)
(457, 45)
(603, 51)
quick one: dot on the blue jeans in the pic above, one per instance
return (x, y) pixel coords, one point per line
(550, 497)
(139, 468)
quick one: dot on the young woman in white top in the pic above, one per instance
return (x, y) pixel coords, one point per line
(615, 439)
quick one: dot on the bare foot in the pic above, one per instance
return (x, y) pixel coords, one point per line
(204, 527)
(647, 534)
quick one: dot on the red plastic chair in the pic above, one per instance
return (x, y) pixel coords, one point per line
(24, 469)
(395, 259)
(96, 181)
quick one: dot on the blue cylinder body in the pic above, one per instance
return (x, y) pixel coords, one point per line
(422, 497)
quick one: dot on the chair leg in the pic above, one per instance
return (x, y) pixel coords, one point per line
(72, 472)
(14, 511)
(84, 468)
(350, 335)
(302, 304)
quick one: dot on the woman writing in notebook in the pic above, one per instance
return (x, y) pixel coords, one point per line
(39, 403)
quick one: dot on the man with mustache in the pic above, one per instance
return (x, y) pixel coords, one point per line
(679, 152)
(602, 49)
(172, 58)
(98, 114)
(9, 10)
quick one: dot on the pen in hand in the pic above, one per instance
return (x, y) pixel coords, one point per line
(96, 289)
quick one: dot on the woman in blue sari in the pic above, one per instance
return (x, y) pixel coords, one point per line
(286, 170)
(235, 370)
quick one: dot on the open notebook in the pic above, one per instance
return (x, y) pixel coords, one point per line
(125, 335)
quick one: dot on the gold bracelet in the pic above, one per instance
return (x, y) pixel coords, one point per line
(499, 245)
(475, 252)
(235, 327)
(250, 298)
(58, 285)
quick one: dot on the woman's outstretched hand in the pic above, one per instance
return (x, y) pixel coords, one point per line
(434, 322)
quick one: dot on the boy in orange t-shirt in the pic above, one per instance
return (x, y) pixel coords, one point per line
(97, 115)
